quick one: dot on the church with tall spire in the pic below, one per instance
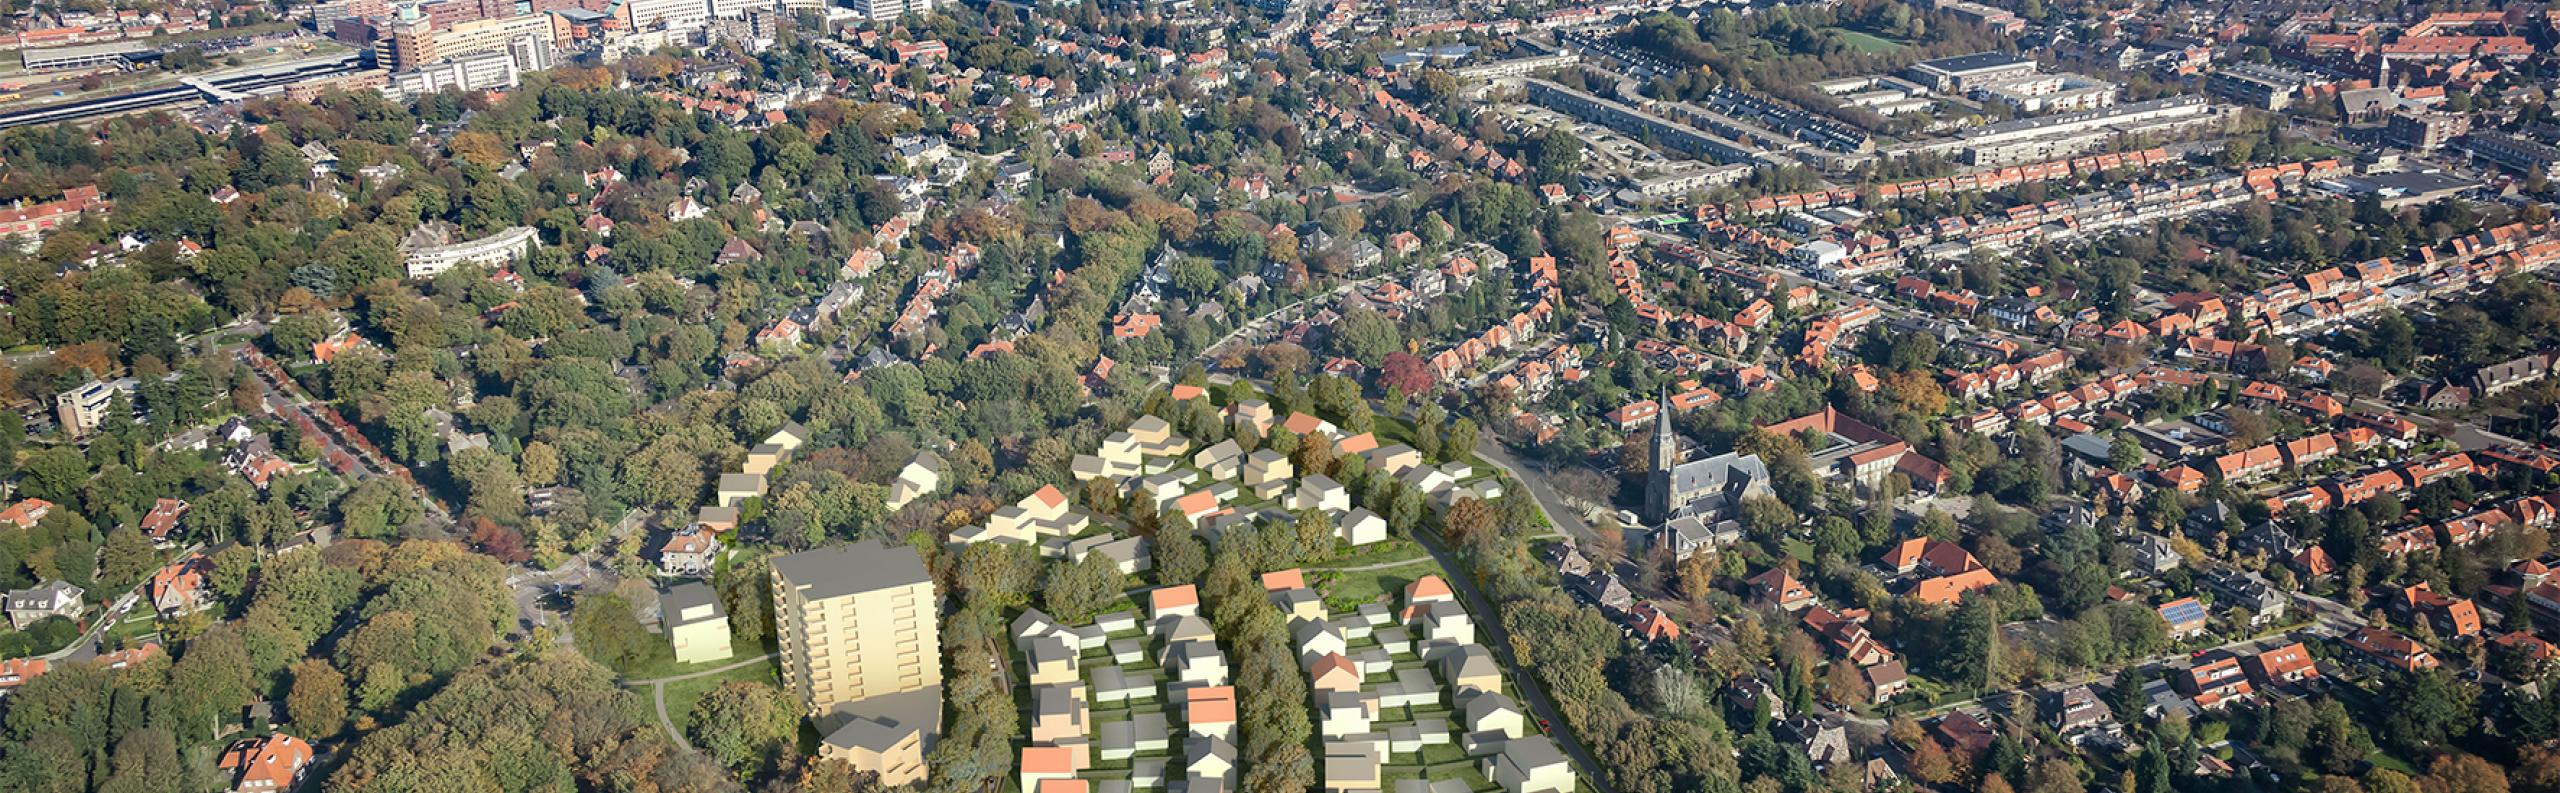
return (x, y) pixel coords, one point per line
(1709, 487)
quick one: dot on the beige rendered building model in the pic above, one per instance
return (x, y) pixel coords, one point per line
(862, 654)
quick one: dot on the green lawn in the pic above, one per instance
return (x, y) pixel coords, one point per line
(682, 694)
(1868, 42)
(1395, 549)
(1368, 585)
(663, 664)
(1393, 430)
(140, 625)
(2382, 759)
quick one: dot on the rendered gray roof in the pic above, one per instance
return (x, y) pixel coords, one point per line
(851, 568)
(691, 594)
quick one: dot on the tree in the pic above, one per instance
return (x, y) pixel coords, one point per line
(1368, 336)
(125, 558)
(742, 724)
(1080, 589)
(1461, 441)
(501, 709)
(1180, 556)
(2464, 773)
(745, 592)
(1767, 519)
(1843, 684)
(1930, 763)
(317, 704)
(2428, 709)
(1971, 657)
(541, 464)
(999, 573)
(609, 631)
(1467, 522)
(1558, 154)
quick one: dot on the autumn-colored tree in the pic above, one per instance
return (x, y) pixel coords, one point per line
(1407, 373)
(480, 148)
(1843, 684)
(317, 704)
(1930, 763)
(2464, 773)
(2536, 770)
(1467, 522)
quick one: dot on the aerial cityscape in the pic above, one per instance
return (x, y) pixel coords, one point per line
(1419, 396)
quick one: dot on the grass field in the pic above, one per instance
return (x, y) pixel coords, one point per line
(682, 694)
(1365, 586)
(663, 663)
(1868, 42)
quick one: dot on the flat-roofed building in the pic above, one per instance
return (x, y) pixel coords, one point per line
(861, 653)
(2256, 85)
(80, 57)
(1963, 72)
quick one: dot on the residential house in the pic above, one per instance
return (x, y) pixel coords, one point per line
(2291, 663)
(2215, 683)
(179, 588)
(689, 553)
(697, 625)
(2386, 648)
(52, 599)
(2451, 617)
(266, 764)
(1531, 764)
(2186, 617)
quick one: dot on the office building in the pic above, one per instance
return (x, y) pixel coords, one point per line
(80, 410)
(862, 654)
(2052, 137)
(430, 249)
(673, 14)
(498, 34)
(481, 72)
(1637, 123)
(81, 57)
(888, 10)
(2050, 93)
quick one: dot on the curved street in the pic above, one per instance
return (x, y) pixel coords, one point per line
(1499, 641)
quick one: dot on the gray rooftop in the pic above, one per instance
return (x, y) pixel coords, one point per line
(681, 598)
(851, 568)
(1961, 64)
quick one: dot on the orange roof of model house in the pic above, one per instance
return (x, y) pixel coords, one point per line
(1173, 597)
(1210, 705)
(1429, 587)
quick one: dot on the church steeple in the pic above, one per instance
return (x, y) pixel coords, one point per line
(1658, 483)
(1666, 441)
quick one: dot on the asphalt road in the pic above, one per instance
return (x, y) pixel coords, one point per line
(1499, 641)
(1558, 511)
